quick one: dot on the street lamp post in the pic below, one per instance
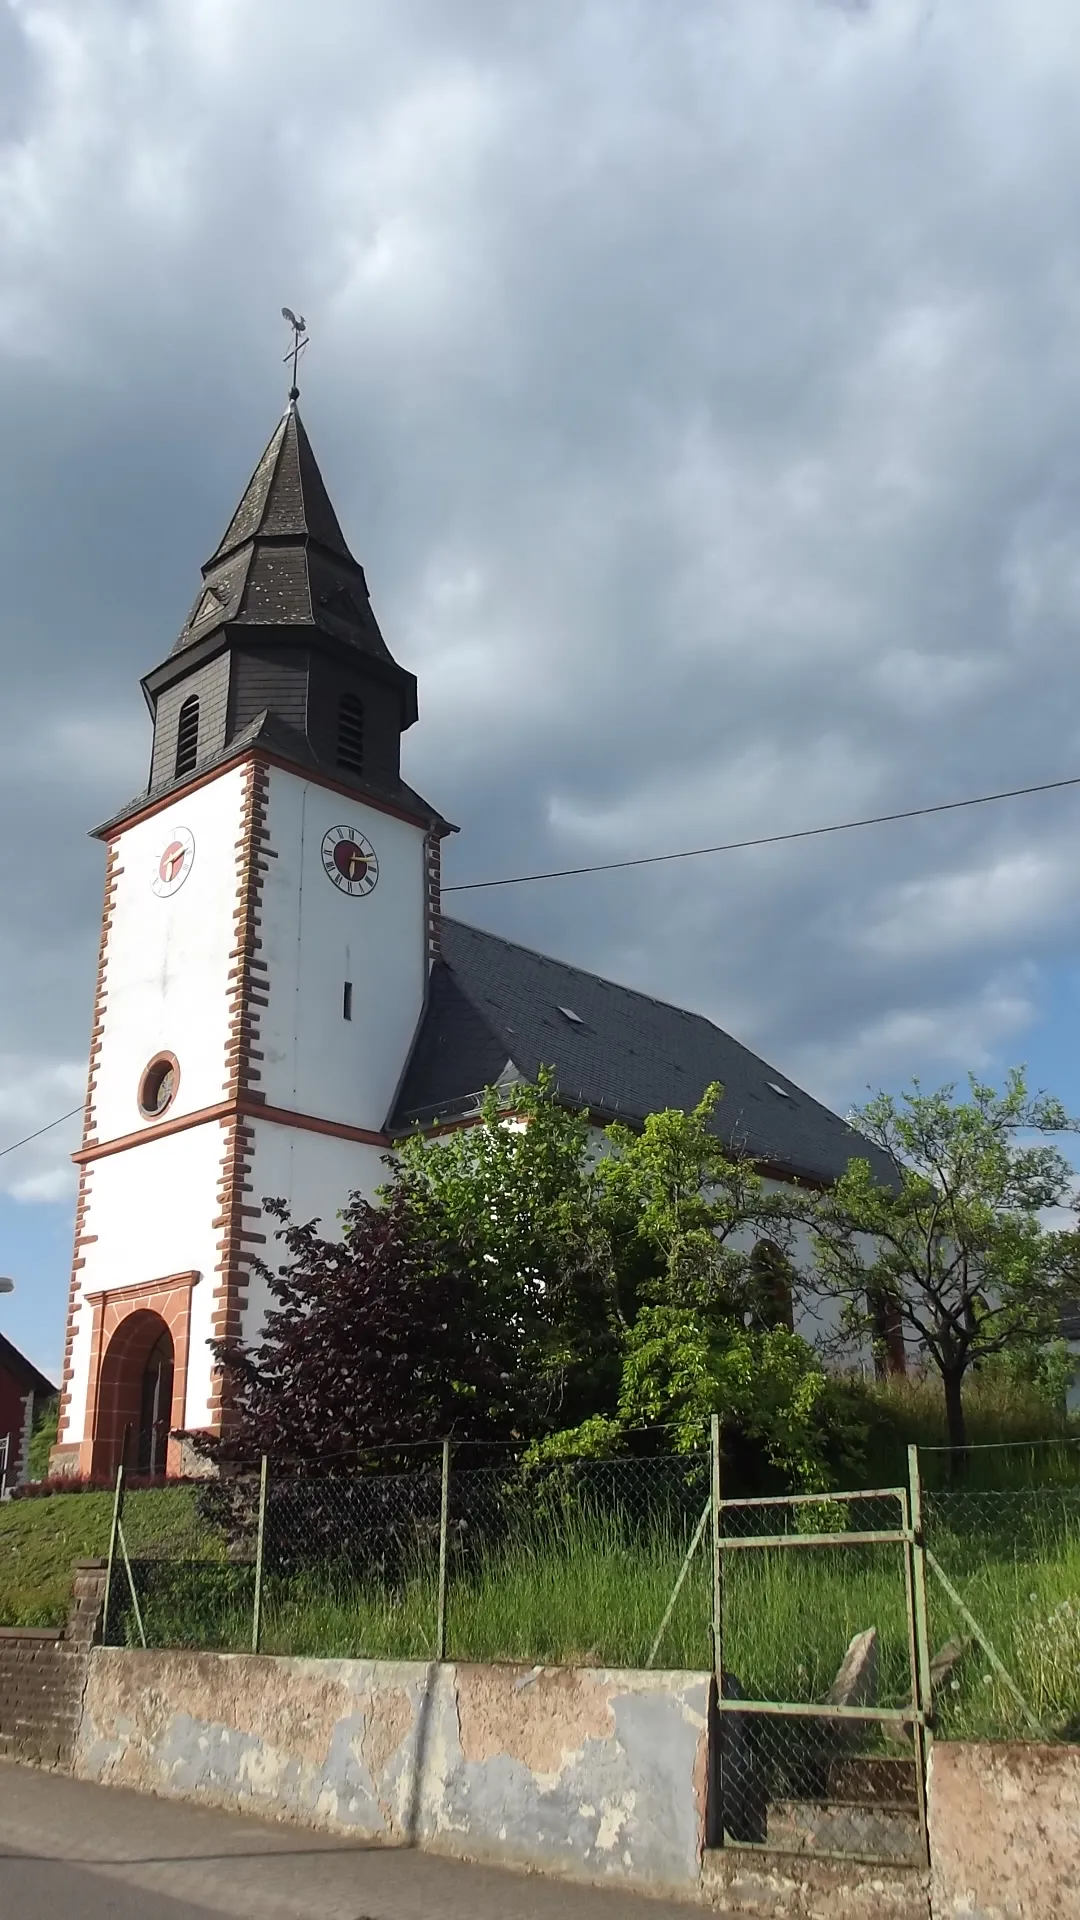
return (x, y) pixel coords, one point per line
(6, 1285)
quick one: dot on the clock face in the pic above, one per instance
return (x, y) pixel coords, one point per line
(349, 861)
(173, 863)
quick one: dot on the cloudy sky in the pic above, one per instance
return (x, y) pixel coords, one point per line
(699, 384)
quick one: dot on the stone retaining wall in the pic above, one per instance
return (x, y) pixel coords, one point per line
(602, 1774)
(42, 1675)
(596, 1773)
(1004, 1831)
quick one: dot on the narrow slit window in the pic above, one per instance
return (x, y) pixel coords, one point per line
(350, 740)
(187, 735)
(346, 1001)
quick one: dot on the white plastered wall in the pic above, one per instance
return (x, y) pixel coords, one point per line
(167, 963)
(314, 1173)
(152, 1208)
(315, 938)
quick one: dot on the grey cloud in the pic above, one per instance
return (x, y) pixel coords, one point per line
(700, 394)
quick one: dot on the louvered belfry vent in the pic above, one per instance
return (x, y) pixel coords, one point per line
(187, 735)
(350, 740)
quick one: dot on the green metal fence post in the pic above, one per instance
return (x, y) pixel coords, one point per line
(695, 1543)
(118, 1504)
(260, 1545)
(918, 1562)
(444, 1527)
(919, 1632)
(717, 1608)
(132, 1589)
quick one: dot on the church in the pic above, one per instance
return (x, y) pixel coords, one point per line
(279, 996)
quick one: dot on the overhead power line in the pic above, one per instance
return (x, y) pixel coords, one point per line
(695, 853)
(762, 840)
(27, 1137)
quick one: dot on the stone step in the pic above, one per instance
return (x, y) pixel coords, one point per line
(879, 1831)
(775, 1886)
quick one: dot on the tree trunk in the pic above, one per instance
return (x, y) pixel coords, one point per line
(956, 1424)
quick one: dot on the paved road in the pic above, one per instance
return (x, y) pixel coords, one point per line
(97, 1853)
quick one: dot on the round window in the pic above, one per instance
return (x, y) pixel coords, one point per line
(157, 1088)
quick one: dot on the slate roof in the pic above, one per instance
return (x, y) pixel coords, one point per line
(286, 495)
(270, 731)
(283, 560)
(23, 1371)
(497, 1012)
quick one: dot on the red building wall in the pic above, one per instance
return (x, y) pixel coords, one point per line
(12, 1419)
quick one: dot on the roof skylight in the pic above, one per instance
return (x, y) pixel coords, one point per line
(575, 1019)
(775, 1088)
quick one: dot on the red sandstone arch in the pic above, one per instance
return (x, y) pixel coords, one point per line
(139, 1377)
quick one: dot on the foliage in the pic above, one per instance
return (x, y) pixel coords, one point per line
(515, 1196)
(373, 1341)
(675, 1202)
(523, 1280)
(70, 1483)
(1016, 1438)
(43, 1438)
(697, 1306)
(953, 1245)
(1038, 1371)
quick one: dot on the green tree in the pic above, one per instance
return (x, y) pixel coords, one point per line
(371, 1342)
(954, 1244)
(698, 1301)
(683, 1213)
(515, 1194)
(43, 1438)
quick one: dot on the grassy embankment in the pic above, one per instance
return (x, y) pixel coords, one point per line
(40, 1540)
(578, 1593)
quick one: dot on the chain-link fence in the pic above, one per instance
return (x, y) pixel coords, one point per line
(177, 1576)
(584, 1561)
(571, 1562)
(1004, 1603)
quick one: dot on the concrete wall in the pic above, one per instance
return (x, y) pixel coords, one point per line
(596, 1773)
(1004, 1831)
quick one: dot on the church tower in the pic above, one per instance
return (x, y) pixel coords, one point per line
(269, 925)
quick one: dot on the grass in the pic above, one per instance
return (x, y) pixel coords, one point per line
(1015, 1560)
(579, 1598)
(41, 1539)
(577, 1589)
(1017, 1437)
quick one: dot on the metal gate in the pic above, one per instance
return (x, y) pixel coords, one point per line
(823, 1674)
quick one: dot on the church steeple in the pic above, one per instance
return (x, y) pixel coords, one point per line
(286, 495)
(283, 560)
(281, 644)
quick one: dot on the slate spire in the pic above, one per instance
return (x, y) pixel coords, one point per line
(286, 496)
(281, 647)
(283, 560)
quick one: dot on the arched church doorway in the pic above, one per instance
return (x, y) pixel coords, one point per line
(135, 1396)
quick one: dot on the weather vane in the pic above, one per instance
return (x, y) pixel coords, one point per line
(300, 341)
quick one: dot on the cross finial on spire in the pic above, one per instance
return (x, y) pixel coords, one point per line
(300, 340)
